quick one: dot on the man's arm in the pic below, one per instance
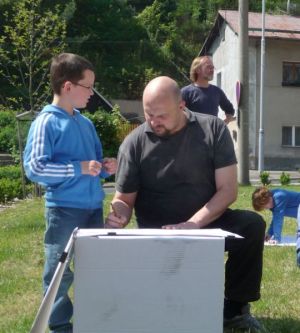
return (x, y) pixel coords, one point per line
(227, 107)
(226, 193)
(280, 202)
(121, 210)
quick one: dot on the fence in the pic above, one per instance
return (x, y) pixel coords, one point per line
(125, 129)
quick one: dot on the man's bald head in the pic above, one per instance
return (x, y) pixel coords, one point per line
(163, 106)
(162, 87)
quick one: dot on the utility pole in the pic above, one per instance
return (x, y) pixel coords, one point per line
(243, 116)
(288, 7)
(261, 137)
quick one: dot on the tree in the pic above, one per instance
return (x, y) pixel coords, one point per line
(31, 37)
(174, 27)
(128, 41)
(108, 34)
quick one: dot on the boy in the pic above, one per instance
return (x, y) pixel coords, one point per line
(64, 154)
(281, 203)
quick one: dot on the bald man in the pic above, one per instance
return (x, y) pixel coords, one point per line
(178, 170)
(201, 96)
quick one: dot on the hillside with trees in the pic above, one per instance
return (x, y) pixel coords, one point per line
(129, 41)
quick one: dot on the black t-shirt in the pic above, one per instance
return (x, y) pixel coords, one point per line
(174, 176)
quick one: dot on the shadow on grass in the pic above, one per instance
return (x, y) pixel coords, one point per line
(283, 325)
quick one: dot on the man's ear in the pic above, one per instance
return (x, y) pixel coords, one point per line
(182, 104)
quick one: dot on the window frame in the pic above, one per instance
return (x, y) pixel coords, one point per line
(296, 78)
(293, 127)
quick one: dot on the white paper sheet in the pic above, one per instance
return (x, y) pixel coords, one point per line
(156, 232)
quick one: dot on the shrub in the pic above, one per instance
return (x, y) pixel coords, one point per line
(11, 183)
(10, 189)
(8, 133)
(264, 177)
(108, 126)
(10, 172)
(9, 142)
(285, 178)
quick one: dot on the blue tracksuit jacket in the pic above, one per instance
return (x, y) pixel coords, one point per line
(57, 142)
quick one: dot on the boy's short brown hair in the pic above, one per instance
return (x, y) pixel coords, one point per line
(260, 197)
(67, 67)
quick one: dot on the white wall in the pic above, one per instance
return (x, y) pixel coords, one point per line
(281, 104)
(225, 58)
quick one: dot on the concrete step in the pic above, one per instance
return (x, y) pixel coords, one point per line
(6, 159)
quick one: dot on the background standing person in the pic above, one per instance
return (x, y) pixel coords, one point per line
(201, 96)
(174, 183)
(281, 203)
(64, 154)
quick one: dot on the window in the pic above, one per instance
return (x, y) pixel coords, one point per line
(291, 136)
(291, 73)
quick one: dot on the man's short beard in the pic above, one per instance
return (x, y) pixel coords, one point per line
(165, 134)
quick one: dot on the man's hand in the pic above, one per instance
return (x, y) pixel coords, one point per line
(121, 210)
(110, 165)
(229, 118)
(182, 225)
(92, 168)
(114, 220)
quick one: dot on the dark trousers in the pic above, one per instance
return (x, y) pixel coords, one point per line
(243, 269)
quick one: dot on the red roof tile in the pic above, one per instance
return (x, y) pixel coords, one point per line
(276, 26)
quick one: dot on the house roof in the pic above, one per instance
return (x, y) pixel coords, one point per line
(276, 26)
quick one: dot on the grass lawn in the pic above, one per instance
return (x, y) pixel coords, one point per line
(21, 264)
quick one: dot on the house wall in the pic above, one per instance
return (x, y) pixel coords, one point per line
(132, 110)
(225, 56)
(281, 104)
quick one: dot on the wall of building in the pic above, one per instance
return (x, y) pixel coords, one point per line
(281, 104)
(224, 52)
(226, 59)
(132, 110)
(253, 104)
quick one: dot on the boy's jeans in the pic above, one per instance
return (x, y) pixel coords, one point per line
(60, 223)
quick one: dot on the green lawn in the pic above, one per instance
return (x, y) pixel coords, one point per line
(21, 264)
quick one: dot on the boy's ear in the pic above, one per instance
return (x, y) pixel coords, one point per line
(66, 86)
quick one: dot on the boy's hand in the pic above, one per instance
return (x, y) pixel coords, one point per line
(267, 237)
(110, 165)
(92, 168)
